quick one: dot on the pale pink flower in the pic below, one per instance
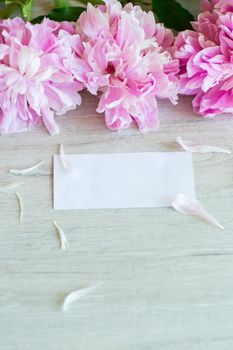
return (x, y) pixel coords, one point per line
(205, 55)
(127, 59)
(35, 83)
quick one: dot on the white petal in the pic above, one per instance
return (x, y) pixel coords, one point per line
(62, 236)
(10, 186)
(6, 69)
(26, 170)
(45, 75)
(20, 207)
(189, 206)
(3, 50)
(25, 58)
(115, 103)
(33, 68)
(75, 296)
(200, 148)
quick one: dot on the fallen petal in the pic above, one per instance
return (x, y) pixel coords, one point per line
(20, 207)
(188, 206)
(75, 296)
(10, 186)
(26, 170)
(67, 166)
(62, 236)
(200, 148)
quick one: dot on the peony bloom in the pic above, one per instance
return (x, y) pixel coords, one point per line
(35, 83)
(128, 60)
(206, 63)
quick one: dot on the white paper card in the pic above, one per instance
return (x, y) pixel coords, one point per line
(128, 180)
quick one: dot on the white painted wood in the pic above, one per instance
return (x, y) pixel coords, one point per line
(167, 278)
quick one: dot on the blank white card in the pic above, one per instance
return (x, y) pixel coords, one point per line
(127, 180)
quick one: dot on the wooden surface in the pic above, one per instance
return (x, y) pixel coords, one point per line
(167, 278)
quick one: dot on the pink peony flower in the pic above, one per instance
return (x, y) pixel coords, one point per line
(35, 83)
(206, 63)
(128, 59)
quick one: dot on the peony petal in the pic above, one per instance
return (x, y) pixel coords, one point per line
(3, 50)
(33, 68)
(93, 21)
(10, 186)
(75, 296)
(26, 170)
(49, 121)
(25, 59)
(20, 207)
(67, 166)
(62, 236)
(189, 206)
(200, 148)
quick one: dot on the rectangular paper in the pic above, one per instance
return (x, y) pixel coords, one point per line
(128, 180)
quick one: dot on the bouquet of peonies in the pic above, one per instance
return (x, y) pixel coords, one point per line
(206, 63)
(122, 55)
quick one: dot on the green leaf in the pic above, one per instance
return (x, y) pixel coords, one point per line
(26, 10)
(62, 3)
(25, 7)
(6, 11)
(172, 14)
(93, 2)
(62, 14)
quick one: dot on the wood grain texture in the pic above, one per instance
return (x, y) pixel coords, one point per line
(167, 278)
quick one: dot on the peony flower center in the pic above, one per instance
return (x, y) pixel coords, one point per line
(110, 68)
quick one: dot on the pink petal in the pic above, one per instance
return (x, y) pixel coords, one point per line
(189, 206)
